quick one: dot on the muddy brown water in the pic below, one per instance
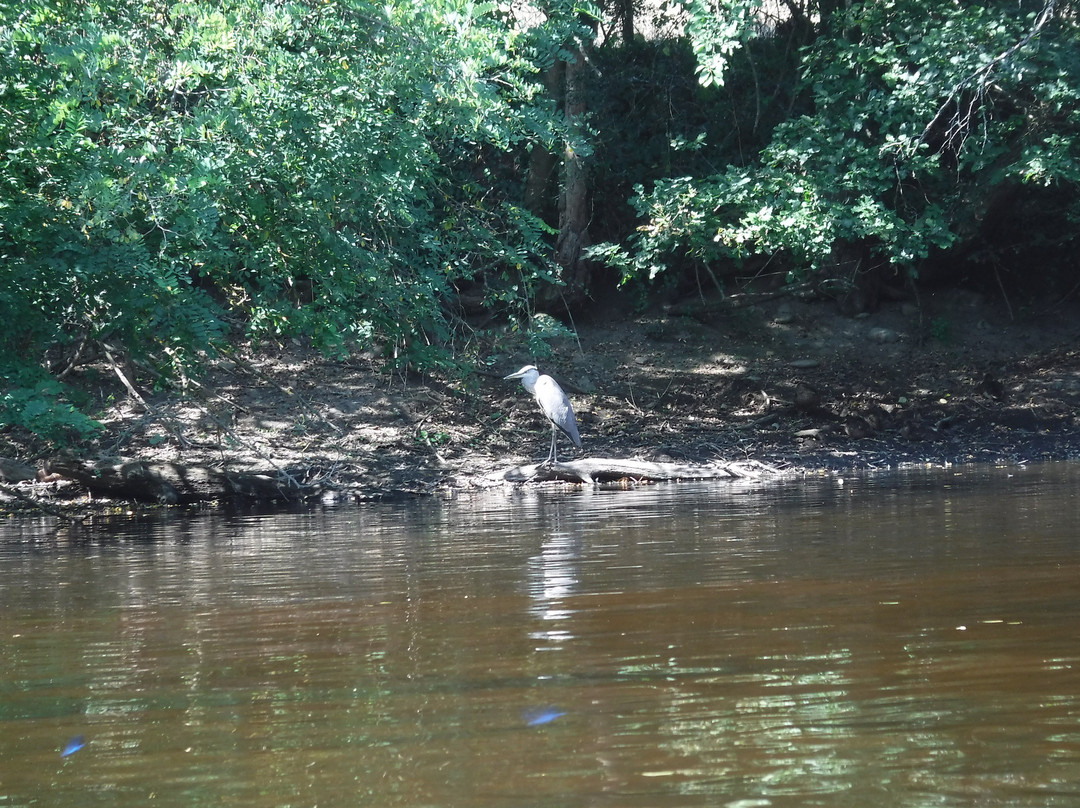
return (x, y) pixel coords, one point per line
(910, 639)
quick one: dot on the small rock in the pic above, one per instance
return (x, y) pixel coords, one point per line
(586, 385)
(806, 397)
(992, 387)
(882, 335)
(856, 427)
(784, 315)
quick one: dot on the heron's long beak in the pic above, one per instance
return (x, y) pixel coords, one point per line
(517, 375)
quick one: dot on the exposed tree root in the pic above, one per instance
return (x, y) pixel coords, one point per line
(175, 483)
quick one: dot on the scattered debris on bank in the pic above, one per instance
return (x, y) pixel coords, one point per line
(782, 386)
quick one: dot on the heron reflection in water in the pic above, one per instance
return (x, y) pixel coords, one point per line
(553, 403)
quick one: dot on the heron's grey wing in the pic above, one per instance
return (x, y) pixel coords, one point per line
(556, 407)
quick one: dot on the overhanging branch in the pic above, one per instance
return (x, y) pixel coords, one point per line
(980, 77)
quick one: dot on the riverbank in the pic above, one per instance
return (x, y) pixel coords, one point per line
(789, 383)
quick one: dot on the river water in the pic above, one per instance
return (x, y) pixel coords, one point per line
(909, 639)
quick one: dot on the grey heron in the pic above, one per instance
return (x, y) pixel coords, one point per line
(553, 403)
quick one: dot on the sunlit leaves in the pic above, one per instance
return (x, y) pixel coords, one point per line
(716, 28)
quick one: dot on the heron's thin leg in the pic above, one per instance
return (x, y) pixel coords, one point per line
(552, 458)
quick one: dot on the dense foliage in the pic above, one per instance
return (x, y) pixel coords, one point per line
(930, 126)
(175, 174)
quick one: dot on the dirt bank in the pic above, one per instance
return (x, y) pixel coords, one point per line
(792, 383)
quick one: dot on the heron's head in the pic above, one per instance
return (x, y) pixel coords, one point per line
(524, 373)
(528, 375)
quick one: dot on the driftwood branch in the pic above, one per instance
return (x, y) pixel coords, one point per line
(596, 470)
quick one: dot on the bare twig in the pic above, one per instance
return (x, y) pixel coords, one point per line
(1004, 295)
(38, 504)
(75, 359)
(135, 394)
(225, 430)
(980, 78)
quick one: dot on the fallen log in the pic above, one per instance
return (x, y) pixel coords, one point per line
(180, 483)
(596, 470)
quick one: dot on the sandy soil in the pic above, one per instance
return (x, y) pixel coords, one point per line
(791, 383)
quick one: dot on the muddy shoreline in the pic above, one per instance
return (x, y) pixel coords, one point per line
(794, 386)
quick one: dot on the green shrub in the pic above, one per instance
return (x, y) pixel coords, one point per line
(173, 176)
(42, 406)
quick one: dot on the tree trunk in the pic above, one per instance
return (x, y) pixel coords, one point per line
(626, 12)
(541, 169)
(542, 162)
(574, 213)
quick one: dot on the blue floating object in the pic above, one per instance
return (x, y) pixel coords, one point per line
(73, 746)
(536, 718)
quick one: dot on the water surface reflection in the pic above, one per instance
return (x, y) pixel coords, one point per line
(908, 640)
